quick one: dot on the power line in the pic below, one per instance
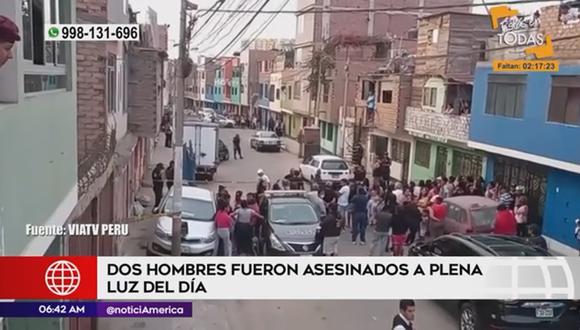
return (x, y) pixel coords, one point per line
(241, 32)
(215, 43)
(378, 10)
(219, 4)
(220, 24)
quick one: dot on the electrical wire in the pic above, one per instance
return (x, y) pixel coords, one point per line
(219, 4)
(220, 23)
(380, 10)
(239, 34)
(234, 25)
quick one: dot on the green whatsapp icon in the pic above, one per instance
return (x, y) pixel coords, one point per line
(53, 32)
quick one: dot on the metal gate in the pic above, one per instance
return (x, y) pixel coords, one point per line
(466, 164)
(441, 161)
(533, 177)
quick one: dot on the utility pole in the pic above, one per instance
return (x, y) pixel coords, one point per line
(345, 99)
(178, 144)
(319, 89)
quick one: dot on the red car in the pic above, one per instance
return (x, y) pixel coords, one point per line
(469, 214)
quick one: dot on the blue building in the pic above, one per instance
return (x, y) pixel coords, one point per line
(529, 124)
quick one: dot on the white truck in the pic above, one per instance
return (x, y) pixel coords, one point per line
(202, 142)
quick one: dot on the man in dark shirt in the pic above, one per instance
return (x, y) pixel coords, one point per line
(169, 173)
(157, 177)
(382, 227)
(330, 231)
(295, 180)
(412, 217)
(237, 148)
(404, 319)
(359, 215)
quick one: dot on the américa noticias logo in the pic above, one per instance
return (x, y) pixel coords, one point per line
(62, 277)
(521, 31)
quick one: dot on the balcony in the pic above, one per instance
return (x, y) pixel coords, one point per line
(437, 126)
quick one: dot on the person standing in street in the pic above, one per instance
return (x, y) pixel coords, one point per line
(244, 231)
(237, 148)
(505, 222)
(224, 224)
(399, 231)
(359, 216)
(412, 217)
(263, 182)
(342, 200)
(437, 215)
(169, 175)
(330, 231)
(521, 213)
(382, 226)
(9, 34)
(404, 320)
(157, 176)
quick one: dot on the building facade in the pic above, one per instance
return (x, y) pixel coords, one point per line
(439, 114)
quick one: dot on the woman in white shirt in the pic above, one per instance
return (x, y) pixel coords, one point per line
(521, 213)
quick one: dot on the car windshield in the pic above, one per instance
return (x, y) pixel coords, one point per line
(193, 209)
(483, 216)
(267, 135)
(293, 214)
(334, 165)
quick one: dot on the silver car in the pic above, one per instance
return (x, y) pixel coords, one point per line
(266, 140)
(198, 236)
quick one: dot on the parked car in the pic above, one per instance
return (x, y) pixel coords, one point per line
(225, 122)
(470, 214)
(330, 168)
(499, 314)
(224, 153)
(266, 140)
(291, 225)
(198, 235)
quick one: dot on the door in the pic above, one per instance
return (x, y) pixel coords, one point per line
(441, 161)
(534, 179)
(466, 164)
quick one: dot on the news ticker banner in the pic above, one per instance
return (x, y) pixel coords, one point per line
(332, 278)
(131, 309)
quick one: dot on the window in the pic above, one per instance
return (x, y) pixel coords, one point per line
(203, 75)
(277, 93)
(329, 132)
(430, 97)
(323, 129)
(451, 248)
(261, 93)
(293, 213)
(334, 165)
(111, 93)
(300, 23)
(382, 50)
(315, 163)
(271, 92)
(387, 97)
(297, 90)
(432, 36)
(202, 91)
(482, 47)
(289, 95)
(565, 100)
(45, 61)
(326, 92)
(399, 151)
(505, 95)
(422, 154)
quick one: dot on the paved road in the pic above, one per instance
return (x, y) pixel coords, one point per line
(280, 315)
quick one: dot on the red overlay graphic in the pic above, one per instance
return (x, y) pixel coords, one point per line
(30, 278)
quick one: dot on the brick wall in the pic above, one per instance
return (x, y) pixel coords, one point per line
(91, 66)
(551, 25)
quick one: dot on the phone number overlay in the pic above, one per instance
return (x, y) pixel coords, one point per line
(96, 309)
(526, 66)
(92, 32)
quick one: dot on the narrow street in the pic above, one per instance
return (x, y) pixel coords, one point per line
(265, 315)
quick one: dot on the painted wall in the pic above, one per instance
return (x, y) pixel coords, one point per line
(532, 133)
(419, 172)
(39, 168)
(562, 207)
